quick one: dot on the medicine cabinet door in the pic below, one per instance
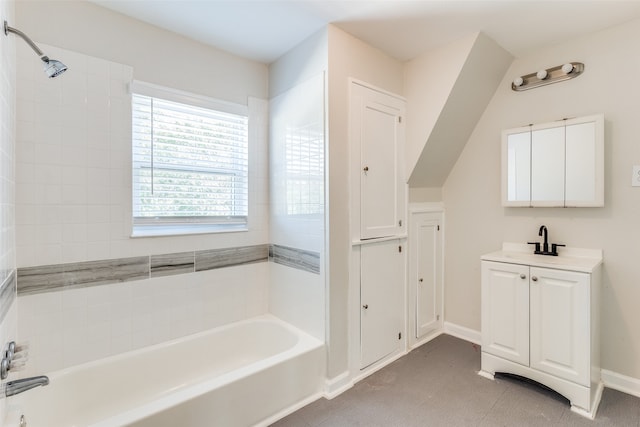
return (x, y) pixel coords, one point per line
(547, 165)
(517, 156)
(584, 175)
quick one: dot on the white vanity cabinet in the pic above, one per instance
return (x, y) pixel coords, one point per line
(540, 320)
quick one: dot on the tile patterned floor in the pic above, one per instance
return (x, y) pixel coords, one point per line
(437, 385)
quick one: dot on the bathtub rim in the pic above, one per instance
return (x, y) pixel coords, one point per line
(304, 344)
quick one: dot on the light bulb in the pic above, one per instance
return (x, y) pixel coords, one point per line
(518, 81)
(567, 68)
(542, 74)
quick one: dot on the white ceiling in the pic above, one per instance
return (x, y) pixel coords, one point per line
(263, 30)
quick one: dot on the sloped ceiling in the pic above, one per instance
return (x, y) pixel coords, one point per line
(437, 141)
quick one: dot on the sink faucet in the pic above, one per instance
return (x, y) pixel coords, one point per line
(18, 386)
(545, 245)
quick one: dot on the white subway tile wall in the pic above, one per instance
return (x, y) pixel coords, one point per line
(297, 166)
(74, 166)
(297, 147)
(74, 204)
(8, 316)
(73, 158)
(70, 327)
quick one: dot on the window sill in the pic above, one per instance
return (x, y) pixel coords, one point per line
(184, 230)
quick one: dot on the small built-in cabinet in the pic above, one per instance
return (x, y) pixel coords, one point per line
(378, 194)
(425, 272)
(381, 300)
(540, 319)
(378, 131)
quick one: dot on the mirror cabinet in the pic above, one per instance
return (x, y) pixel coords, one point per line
(558, 164)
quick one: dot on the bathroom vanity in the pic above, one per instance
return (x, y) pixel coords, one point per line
(540, 320)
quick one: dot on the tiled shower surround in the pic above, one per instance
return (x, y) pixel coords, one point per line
(49, 278)
(86, 289)
(77, 312)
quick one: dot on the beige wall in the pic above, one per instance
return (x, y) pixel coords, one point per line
(428, 82)
(306, 60)
(156, 55)
(349, 57)
(477, 223)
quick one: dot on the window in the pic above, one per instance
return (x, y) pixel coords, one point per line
(190, 163)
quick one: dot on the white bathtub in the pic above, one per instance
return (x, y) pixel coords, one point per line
(244, 374)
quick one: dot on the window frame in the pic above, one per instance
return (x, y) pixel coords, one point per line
(175, 225)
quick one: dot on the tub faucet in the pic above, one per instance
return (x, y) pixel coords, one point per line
(18, 386)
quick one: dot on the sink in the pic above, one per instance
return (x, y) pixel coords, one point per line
(575, 259)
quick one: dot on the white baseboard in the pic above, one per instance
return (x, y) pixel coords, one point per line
(337, 385)
(621, 382)
(288, 411)
(462, 332)
(425, 339)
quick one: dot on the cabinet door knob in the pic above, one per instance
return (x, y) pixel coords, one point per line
(365, 306)
(534, 278)
(421, 280)
(366, 169)
(523, 276)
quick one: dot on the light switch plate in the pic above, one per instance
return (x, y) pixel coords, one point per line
(635, 176)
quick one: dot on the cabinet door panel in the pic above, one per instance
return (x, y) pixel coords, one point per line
(517, 156)
(547, 166)
(584, 161)
(381, 296)
(427, 275)
(378, 132)
(505, 311)
(560, 324)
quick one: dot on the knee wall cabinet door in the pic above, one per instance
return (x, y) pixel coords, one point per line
(381, 296)
(425, 270)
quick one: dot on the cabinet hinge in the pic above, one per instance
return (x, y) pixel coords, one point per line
(400, 223)
(399, 119)
(438, 228)
(438, 317)
(400, 248)
(399, 335)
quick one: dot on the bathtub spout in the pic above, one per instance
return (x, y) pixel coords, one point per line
(18, 386)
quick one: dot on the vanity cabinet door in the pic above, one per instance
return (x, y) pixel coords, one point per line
(505, 311)
(560, 302)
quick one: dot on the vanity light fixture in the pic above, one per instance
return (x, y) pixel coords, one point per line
(547, 76)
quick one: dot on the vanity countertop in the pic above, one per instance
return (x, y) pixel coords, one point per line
(573, 259)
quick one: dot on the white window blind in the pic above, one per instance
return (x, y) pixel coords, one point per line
(190, 160)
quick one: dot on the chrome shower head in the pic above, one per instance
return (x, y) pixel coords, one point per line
(52, 68)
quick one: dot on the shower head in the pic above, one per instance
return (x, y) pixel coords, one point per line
(52, 68)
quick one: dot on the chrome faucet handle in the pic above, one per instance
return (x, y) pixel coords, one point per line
(11, 351)
(4, 368)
